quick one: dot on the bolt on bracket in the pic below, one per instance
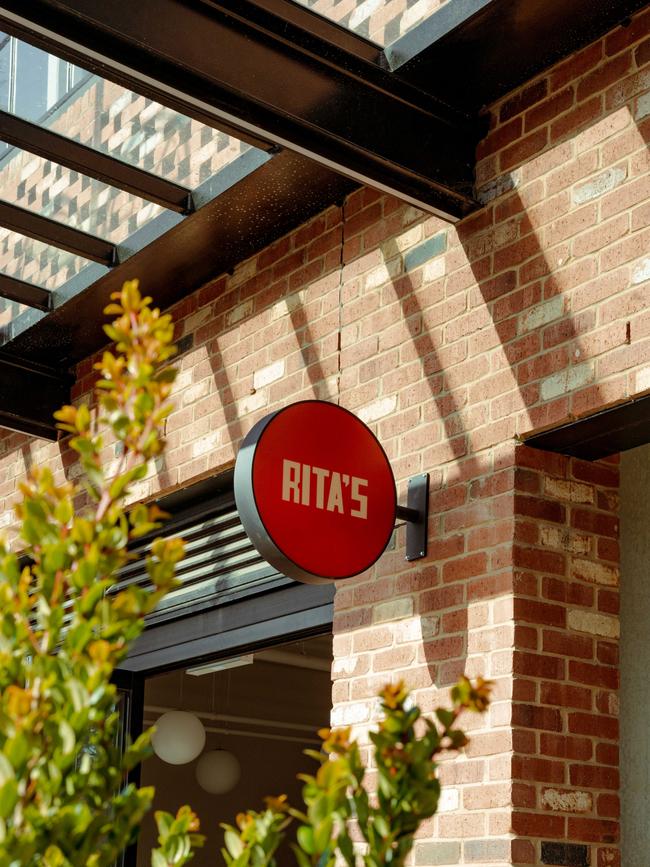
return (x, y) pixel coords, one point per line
(416, 515)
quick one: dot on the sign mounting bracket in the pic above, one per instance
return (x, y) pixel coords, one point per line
(416, 515)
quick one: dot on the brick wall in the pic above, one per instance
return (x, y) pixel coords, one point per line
(452, 343)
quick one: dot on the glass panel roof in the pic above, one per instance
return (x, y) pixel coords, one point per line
(51, 190)
(81, 202)
(10, 312)
(380, 21)
(74, 103)
(40, 87)
(36, 262)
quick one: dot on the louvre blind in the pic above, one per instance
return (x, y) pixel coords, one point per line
(220, 563)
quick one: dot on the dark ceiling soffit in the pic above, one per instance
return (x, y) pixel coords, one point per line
(87, 161)
(342, 111)
(24, 293)
(613, 430)
(57, 234)
(29, 395)
(494, 46)
(277, 195)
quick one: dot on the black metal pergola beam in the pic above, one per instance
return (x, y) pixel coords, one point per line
(21, 292)
(258, 68)
(57, 234)
(472, 52)
(88, 161)
(29, 395)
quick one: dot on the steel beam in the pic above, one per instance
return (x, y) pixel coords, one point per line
(57, 234)
(261, 69)
(29, 395)
(24, 293)
(88, 161)
(472, 52)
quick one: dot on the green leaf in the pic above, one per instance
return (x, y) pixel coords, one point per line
(8, 798)
(233, 843)
(158, 859)
(67, 737)
(63, 511)
(305, 837)
(16, 749)
(6, 770)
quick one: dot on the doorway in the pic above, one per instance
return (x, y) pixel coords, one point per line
(259, 712)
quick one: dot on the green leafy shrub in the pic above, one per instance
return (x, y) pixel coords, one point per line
(335, 796)
(63, 798)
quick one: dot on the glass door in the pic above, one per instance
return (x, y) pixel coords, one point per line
(130, 697)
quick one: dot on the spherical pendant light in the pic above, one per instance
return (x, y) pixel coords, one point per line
(179, 737)
(218, 771)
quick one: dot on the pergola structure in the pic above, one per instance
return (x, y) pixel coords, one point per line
(318, 109)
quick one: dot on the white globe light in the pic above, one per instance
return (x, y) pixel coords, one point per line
(179, 737)
(218, 771)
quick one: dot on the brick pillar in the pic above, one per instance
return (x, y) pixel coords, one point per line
(521, 585)
(565, 672)
(429, 621)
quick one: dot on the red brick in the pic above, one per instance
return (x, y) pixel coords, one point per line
(629, 33)
(465, 567)
(609, 858)
(565, 747)
(523, 149)
(499, 138)
(544, 718)
(565, 695)
(578, 117)
(550, 108)
(596, 473)
(538, 825)
(608, 806)
(595, 522)
(538, 665)
(531, 611)
(449, 647)
(538, 770)
(607, 653)
(593, 776)
(609, 601)
(524, 98)
(576, 65)
(539, 560)
(642, 53)
(607, 754)
(523, 852)
(594, 675)
(606, 74)
(592, 830)
(544, 510)
(432, 601)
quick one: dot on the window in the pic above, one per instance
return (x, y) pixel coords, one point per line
(32, 81)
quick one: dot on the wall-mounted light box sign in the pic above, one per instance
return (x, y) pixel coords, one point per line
(316, 493)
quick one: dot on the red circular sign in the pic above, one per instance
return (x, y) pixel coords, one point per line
(315, 491)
